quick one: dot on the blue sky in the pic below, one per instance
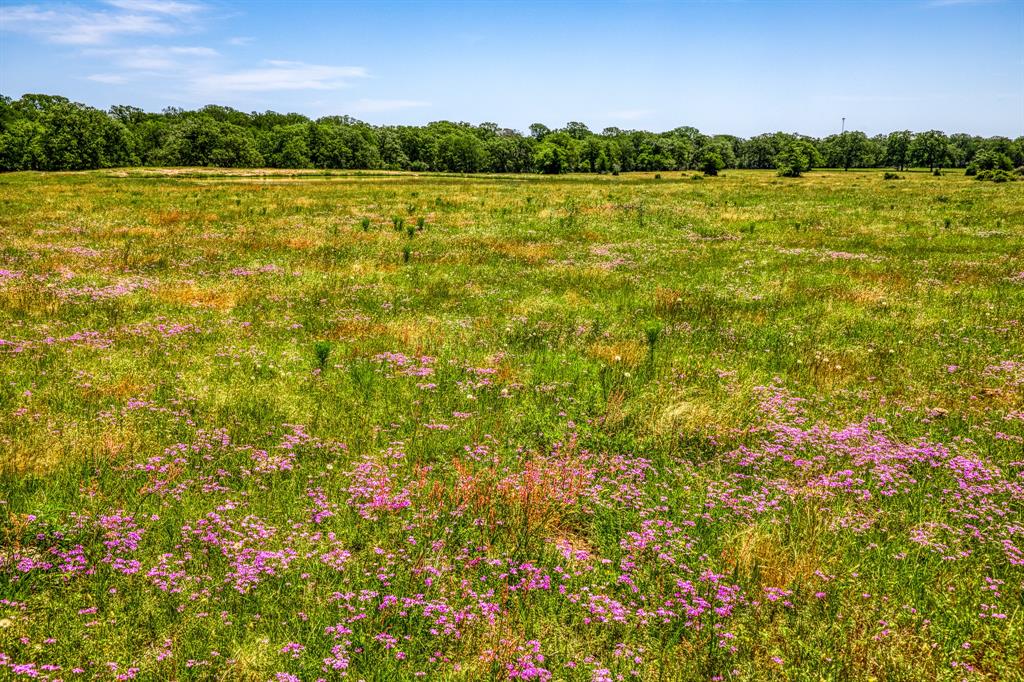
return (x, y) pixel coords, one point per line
(724, 67)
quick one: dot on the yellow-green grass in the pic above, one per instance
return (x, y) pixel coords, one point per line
(803, 394)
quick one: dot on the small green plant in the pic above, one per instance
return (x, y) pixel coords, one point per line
(410, 231)
(366, 224)
(321, 351)
(398, 222)
(652, 332)
(406, 253)
(889, 175)
(421, 222)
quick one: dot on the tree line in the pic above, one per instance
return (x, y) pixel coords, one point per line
(49, 132)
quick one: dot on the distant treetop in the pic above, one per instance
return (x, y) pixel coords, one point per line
(49, 132)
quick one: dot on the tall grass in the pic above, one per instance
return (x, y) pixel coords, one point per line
(584, 428)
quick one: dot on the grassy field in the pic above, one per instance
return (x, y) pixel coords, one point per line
(574, 428)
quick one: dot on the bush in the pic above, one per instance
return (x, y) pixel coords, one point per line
(998, 175)
(891, 176)
(793, 160)
(711, 162)
(971, 169)
(989, 160)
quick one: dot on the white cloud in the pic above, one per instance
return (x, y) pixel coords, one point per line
(379, 105)
(108, 34)
(154, 58)
(157, 6)
(950, 3)
(71, 25)
(280, 75)
(109, 78)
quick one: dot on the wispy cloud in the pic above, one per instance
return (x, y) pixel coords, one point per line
(951, 3)
(108, 78)
(108, 36)
(380, 105)
(171, 8)
(153, 58)
(74, 25)
(281, 75)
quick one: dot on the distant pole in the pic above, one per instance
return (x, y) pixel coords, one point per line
(844, 124)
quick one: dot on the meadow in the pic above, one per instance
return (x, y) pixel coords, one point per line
(298, 426)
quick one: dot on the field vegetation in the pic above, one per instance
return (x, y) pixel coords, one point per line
(291, 426)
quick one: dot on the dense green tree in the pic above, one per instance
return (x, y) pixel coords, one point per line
(539, 131)
(846, 150)
(797, 157)
(127, 115)
(288, 146)
(48, 132)
(549, 158)
(461, 152)
(76, 137)
(203, 141)
(761, 151)
(931, 149)
(34, 105)
(7, 113)
(963, 147)
(710, 160)
(392, 155)
(1017, 152)
(338, 145)
(989, 160)
(897, 148)
(507, 153)
(21, 146)
(576, 130)
(730, 147)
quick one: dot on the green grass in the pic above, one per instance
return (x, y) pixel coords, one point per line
(741, 427)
